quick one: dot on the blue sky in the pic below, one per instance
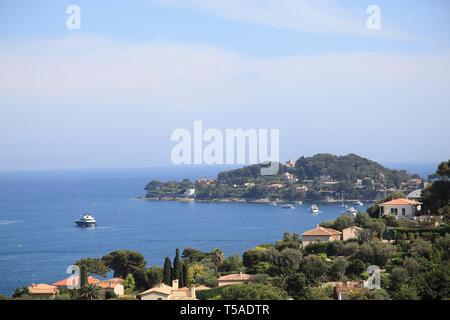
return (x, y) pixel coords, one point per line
(111, 93)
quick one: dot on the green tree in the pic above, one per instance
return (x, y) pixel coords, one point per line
(296, 286)
(399, 276)
(167, 272)
(338, 268)
(362, 219)
(379, 294)
(84, 281)
(355, 267)
(217, 259)
(433, 284)
(289, 261)
(124, 262)
(405, 292)
(129, 284)
(344, 221)
(184, 270)
(90, 292)
(95, 266)
(314, 269)
(20, 292)
(140, 278)
(154, 276)
(444, 169)
(177, 269)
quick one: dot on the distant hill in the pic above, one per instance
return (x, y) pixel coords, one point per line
(346, 168)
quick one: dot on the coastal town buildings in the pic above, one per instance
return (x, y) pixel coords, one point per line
(290, 164)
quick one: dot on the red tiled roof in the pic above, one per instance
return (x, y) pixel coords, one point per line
(321, 231)
(42, 288)
(400, 201)
(65, 282)
(235, 277)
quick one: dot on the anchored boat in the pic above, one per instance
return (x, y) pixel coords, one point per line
(86, 221)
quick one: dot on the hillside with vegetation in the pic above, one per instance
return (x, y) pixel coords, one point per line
(317, 178)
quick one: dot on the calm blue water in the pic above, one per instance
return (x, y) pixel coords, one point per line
(38, 209)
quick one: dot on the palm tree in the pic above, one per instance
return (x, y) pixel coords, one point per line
(217, 258)
(90, 292)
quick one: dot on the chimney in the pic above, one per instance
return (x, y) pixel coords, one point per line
(175, 284)
(193, 291)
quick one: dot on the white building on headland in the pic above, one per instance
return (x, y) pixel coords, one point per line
(189, 193)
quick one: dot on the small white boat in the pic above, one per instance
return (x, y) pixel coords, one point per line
(352, 210)
(273, 203)
(359, 203)
(287, 206)
(299, 203)
(314, 209)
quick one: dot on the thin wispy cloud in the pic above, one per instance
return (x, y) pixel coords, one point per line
(310, 16)
(89, 68)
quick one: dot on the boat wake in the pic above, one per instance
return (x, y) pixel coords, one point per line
(6, 222)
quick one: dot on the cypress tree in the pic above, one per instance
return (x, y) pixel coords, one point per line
(83, 276)
(185, 274)
(177, 272)
(167, 272)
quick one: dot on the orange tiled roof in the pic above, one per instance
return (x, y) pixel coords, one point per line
(42, 288)
(65, 282)
(107, 284)
(400, 201)
(321, 231)
(235, 277)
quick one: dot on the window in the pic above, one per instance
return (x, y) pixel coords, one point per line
(394, 211)
(403, 211)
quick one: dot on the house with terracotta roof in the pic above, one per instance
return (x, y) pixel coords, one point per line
(342, 289)
(111, 286)
(239, 278)
(400, 208)
(165, 292)
(43, 291)
(320, 234)
(72, 282)
(350, 232)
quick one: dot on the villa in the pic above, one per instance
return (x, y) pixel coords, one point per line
(400, 208)
(165, 292)
(319, 234)
(239, 278)
(73, 282)
(350, 233)
(43, 291)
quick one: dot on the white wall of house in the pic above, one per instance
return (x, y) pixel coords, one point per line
(308, 239)
(404, 211)
(155, 296)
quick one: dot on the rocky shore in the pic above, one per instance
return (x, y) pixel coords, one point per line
(238, 200)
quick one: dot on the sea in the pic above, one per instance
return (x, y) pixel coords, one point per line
(39, 239)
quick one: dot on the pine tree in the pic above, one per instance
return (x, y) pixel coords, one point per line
(167, 272)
